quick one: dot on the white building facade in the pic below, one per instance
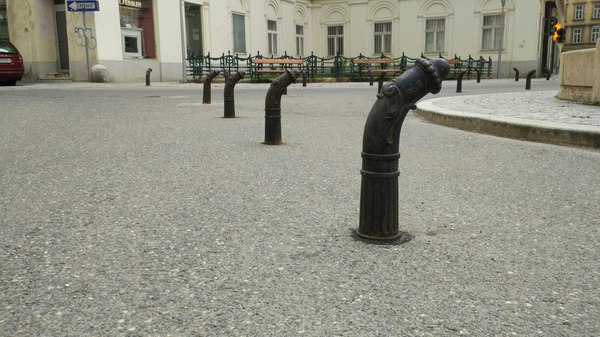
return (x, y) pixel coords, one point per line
(130, 36)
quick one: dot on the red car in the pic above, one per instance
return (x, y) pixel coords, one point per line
(11, 63)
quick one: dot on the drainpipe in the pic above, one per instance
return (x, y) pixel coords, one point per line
(183, 38)
(381, 141)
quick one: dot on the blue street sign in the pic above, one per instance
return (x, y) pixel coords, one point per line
(83, 6)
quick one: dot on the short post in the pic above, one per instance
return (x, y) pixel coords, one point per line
(548, 73)
(370, 78)
(380, 84)
(206, 94)
(228, 93)
(478, 75)
(148, 76)
(528, 81)
(459, 81)
(516, 74)
(381, 142)
(304, 78)
(273, 106)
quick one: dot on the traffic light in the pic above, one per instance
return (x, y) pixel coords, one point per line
(554, 31)
(561, 35)
(551, 23)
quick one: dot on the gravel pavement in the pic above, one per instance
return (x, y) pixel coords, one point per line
(136, 211)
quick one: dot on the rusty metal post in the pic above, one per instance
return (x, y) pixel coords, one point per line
(380, 83)
(273, 106)
(206, 94)
(228, 93)
(381, 142)
(148, 76)
(528, 81)
(459, 81)
(370, 78)
(516, 74)
(304, 78)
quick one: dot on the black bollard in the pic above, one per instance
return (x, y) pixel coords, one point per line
(380, 83)
(206, 95)
(516, 74)
(371, 78)
(548, 73)
(459, 81)
(304, 79)
(528, 81)
(273, 106)
(228, 93)
(381, 142)
(148, 76)
(478, 75)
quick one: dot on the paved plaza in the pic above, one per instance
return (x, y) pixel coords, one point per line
(137, 211)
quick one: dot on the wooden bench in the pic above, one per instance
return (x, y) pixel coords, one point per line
(370, 69)
(454, 63)
(274, 66)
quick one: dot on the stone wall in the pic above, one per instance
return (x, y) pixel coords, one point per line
(580, 75)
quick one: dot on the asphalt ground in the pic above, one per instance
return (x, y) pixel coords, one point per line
(136, 211)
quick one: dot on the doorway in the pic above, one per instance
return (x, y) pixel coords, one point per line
(193, 27)
(62, 43)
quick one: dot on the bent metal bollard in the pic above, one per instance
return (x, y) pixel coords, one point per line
(528, 80)
(206, 95)
(381, 141)
(273, 106)
(228, 93)
(516, 74)
(148, 76)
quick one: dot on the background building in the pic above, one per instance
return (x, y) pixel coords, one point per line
(129, 36)
(581, 20)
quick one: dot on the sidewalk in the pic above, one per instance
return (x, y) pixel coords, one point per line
(536, 116)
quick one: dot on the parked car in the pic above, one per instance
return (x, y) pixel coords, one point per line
(11, 63)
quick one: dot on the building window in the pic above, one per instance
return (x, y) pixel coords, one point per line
(596, 11)
(578, 13)
(595, 34)
(239, 33)
(491, 32)
(435, 35)
(137, 28)
(383, 37)
(299, 40)
(272, 36)
(577, 34)
(335, 40)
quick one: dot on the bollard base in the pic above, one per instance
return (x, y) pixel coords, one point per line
(398, 239)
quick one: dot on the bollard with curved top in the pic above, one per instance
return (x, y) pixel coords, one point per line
(516, 74)
(228, 93)
(380, 83)
(528, 81)
(206, 94)
(381, 142)
(148, 76)
(459, 81)
(273, 106)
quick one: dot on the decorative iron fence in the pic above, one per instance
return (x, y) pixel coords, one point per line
(314, 66)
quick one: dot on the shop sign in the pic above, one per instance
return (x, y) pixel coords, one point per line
(131, 3)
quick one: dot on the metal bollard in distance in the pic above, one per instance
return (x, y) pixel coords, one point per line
(206, 93)
(148, 76)
(528, 81)
(516, 74)
(459, 81)
(228, 93)
(380, 83)
(273, 106)
(381, 142)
